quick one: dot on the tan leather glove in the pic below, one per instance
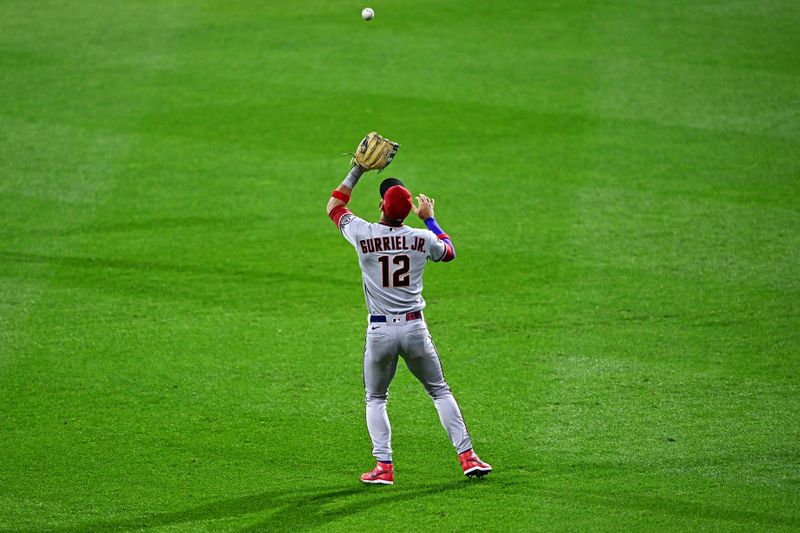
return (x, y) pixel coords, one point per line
(374, 152)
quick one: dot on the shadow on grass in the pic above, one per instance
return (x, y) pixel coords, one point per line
(582, 494)
(308, 513)
(278, 510)
(679, 508)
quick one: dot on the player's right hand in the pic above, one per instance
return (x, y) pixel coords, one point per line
(424, 209)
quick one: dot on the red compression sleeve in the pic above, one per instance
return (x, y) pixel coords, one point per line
(337, 213)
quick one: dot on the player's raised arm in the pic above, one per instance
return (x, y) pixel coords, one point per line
(338, 201)
(373, 153)
(425, 212)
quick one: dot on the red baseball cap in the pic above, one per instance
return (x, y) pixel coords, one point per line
(396, 202)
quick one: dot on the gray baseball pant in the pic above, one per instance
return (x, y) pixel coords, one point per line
(411, 340)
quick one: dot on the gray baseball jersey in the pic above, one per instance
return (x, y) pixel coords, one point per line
(392, 261)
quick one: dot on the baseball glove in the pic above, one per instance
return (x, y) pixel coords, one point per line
(374, 152)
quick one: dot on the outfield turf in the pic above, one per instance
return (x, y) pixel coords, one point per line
(181, 326)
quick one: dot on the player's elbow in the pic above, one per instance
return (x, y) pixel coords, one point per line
(449, 252)
(332, 202)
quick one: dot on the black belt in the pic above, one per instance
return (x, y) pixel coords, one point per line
(416, 315)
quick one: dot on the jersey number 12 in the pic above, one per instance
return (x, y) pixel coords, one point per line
(400, 277)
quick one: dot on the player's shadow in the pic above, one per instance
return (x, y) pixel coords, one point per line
(279, 510)
(310, 512)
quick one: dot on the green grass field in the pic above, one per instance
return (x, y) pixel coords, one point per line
(181, 326)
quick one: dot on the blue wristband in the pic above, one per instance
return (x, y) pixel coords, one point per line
(430, 222)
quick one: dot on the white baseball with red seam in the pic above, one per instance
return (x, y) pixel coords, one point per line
(367, 13)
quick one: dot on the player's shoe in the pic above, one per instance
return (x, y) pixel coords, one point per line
(472, 465)
(382, 474)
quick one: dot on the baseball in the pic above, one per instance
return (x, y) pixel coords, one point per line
(367, 13)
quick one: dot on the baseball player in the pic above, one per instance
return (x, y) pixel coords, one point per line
(392, 257)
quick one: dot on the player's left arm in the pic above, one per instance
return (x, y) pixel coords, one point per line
(425, 212)
(337, 203)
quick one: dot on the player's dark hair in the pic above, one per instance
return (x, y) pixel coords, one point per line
(389, 183)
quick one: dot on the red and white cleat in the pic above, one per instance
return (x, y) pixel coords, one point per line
(382, 474)
(472, 465)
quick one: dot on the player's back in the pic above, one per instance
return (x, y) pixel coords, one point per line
(392, 260)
